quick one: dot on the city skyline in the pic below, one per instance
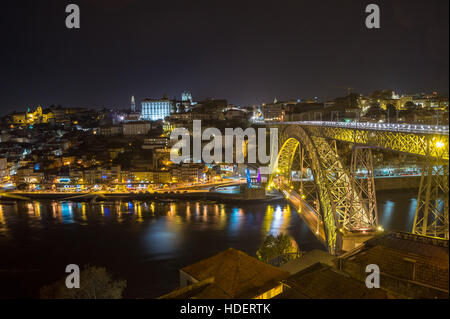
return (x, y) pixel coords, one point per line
(238, 150)
(296, 50)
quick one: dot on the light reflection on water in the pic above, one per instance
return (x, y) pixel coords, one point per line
(156, 237)
(273, 219)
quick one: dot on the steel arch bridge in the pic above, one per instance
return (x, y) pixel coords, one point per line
(339, 206)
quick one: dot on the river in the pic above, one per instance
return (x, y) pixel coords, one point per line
(147, 242)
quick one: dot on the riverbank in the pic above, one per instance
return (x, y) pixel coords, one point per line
(381, 184)
(168, 196)
(396, 183)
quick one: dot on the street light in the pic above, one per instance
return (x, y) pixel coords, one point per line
(440, 144)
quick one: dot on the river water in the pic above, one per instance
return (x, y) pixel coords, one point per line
(147, 242)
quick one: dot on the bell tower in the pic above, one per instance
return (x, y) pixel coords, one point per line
(133, 104)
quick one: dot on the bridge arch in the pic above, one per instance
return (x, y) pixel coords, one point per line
(340, 208)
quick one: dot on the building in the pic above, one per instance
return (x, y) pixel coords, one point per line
(92, 175)
(321, 281)
(38, 116)
(231, 274)
(111, 130)
(156, 109)
(133, 104)
(136, 128)
(410, 265)
(304, 111)
(236, 115)
(152, 177)
(186, 96)
(188, 173)
(155, 142)
(4, 172)
(161, 158)
(26, 175)
(273, 112)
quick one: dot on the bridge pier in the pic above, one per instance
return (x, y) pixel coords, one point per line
(351, 241)
(430, 219)
(364, 186)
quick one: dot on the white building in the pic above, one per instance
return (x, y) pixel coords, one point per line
(156, 109)
(186, 96)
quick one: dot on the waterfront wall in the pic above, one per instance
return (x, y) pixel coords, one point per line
(391, 183)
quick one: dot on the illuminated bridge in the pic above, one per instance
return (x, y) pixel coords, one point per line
(342, 209)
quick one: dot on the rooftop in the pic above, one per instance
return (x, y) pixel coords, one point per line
(321, 281)
(236, 275)
(308, 259)
(407, 257)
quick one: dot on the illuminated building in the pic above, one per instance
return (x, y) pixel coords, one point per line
(157, 177)
(29, 117)
(188, 173)
(156, 109)
(133, 104)
(155, 142)
(273, 112)
(186, 96)
(4, 174)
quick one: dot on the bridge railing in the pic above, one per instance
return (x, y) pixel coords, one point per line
(407, 128)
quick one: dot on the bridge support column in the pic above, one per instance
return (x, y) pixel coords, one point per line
(431, 218)
(364, 186)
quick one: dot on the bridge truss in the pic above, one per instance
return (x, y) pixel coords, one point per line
(332, 195)
(345, 200)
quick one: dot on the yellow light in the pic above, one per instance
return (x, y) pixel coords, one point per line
(439, 144)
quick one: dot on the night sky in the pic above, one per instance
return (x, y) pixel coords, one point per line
(245, 51)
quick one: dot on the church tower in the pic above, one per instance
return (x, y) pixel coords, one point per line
(133, 104)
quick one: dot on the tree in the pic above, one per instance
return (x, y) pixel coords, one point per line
(95, 283)
(411, 106)
(391, 111)
(375, 112)
(276, 247)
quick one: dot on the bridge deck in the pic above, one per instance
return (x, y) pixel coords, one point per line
(423, 140)
(306, 212)
(404, 128)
